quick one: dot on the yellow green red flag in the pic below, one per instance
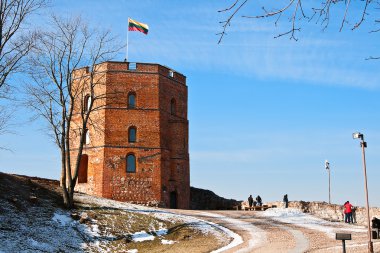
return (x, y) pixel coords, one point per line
(137, 26)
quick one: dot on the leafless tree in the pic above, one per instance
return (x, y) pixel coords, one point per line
(295, 13)
(15, 41)
(66, 95)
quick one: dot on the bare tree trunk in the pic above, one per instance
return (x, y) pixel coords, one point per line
(54, 95)
(65, 194)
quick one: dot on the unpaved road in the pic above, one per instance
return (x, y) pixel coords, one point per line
(262, 234)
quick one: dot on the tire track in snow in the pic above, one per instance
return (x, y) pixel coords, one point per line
(257, 235)
(302, 243)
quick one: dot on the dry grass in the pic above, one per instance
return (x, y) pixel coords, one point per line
(116, 228)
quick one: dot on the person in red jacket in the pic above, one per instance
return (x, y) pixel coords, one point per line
(348, 212)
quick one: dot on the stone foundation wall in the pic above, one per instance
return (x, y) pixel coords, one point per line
(331, 212)
(201, 199)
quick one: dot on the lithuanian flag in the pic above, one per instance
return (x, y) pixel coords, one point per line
(137, 26)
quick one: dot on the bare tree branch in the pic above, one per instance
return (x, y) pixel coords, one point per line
(367, 2)
(273, 13)
(321, 14)
(228, 21)
(345, 15)
(14, 43)
(229, 8)
(372, 58)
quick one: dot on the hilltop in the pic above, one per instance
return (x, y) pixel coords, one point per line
(32, 219)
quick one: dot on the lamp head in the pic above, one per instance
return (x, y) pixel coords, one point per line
(357, 135)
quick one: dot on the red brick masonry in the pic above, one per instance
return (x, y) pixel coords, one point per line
(161, 148)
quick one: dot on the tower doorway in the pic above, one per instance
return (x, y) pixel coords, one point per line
(173, 200)
(83, 167)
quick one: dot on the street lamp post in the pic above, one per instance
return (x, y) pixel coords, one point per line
(327, 166)
(363, 144)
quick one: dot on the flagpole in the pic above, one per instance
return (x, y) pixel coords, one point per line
(126, 59)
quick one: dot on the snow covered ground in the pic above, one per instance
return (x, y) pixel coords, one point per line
(23, 233)
(42, 229)
(296, 217)
(47, 228)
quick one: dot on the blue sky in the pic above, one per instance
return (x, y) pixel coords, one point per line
(264, 113)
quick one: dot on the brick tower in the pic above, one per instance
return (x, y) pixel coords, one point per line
(141, 152)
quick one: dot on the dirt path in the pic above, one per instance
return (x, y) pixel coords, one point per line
(278, 238)
(263, 235)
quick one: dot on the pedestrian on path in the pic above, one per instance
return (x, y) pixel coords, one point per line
(286, 201)
(250, 200)
(348, 212)
(259, 201)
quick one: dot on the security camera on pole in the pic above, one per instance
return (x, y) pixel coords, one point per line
(327, 167)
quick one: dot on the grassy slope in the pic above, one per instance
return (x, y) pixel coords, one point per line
(32, 203)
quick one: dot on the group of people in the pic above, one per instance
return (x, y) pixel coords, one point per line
(258, 201)
(348, 212)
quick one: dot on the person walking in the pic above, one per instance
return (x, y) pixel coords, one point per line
(259, 201)
(250, 200)
(348, 212)
(353, 219)
(286, 201)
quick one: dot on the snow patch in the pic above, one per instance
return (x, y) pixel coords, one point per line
(145, 236)
(161, 232)
(39, 245)
(95, 229)
(142, 236)
(62, 219)
(296, 217)
(163, 241)
(258, 235)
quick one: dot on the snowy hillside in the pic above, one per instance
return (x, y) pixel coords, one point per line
(32, 220)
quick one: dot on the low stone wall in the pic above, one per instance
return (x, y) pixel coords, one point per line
(201, 199)
(331, 212)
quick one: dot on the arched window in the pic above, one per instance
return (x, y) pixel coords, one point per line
(131, 163)
(83, 166)
(173, 107)
(87, 133)
(132, 131)
(87, 103)
(131, 100)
